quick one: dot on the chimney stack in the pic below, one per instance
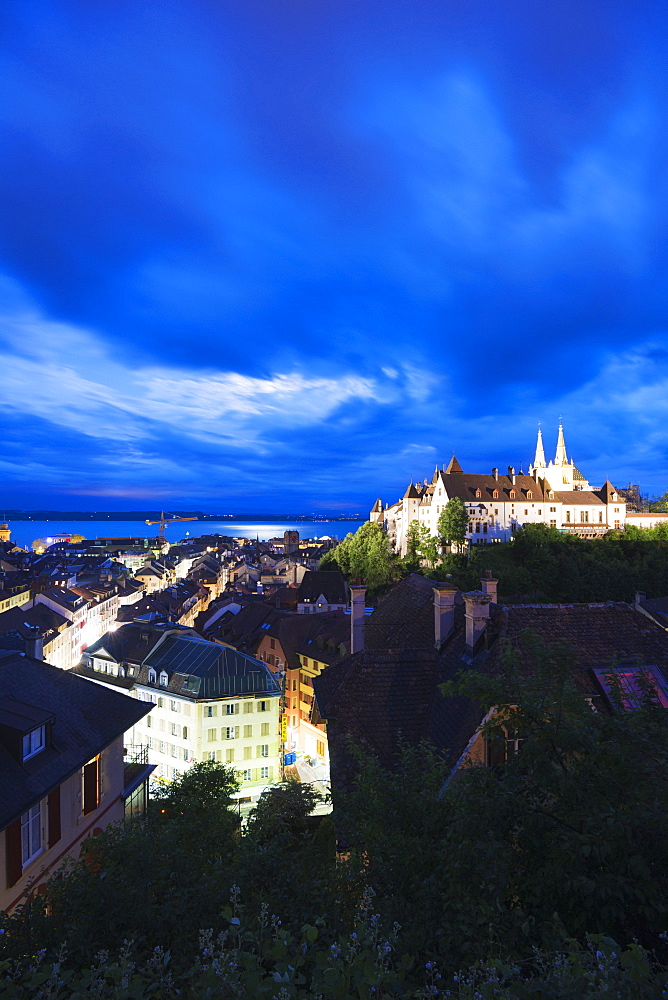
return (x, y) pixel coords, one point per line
(489, 585)
(495, 473)
(444, 612)
(477, 615)
(640, 596)
(357, 603)
(34, 644)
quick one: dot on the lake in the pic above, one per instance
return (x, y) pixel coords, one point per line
(25, 532)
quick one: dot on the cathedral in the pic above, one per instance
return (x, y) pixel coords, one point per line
(552, 493)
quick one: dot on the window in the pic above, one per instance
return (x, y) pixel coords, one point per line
(553, 524)
(264, 729)
(600, 517)
(294, 685)
(174, 705)
(248, 753)
(320, 748)
(31, 834)
(210, 711)
(229, 756)
(263, 706)
(175, 729)
(185, 732)
(232, 709)
(529, 495)
(162, 746)
(617, 525)
(247, 775)
(248, 731)
(248, 707)
(231, 732)
(90, 777)
(211, 735)
(263, 750)
(478, 494)
(512, 494)
(632, 685)
(34, 742)
(553, 510)
(526, 513)
(211, 754)
(152, 676)
(164, 679)
(495, 494)
(568, 517)
(615, 510)
(264, 773)
(161, 702)
(149, 723)
(187, 755)
(584, 517)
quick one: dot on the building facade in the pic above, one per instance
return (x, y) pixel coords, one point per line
(555, 494)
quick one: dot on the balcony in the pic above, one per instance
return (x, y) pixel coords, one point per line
(136, 772)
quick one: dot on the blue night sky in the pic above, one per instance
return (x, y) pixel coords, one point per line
(288, 254)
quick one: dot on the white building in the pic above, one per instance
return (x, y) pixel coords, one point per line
(210, 702)
(555, 494)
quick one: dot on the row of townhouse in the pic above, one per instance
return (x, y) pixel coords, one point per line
(556, 495)
(208, 701)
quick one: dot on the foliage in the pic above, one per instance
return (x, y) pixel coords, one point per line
(513, 881)
(420, 545)
(453, 522)
(659, 505)
(364, 556)
(541, 564)
(283, 809)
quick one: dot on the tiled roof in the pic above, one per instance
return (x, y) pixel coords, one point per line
(328, 583)
(88, 717)
(464, 485)
(578, 497)
(404, 618)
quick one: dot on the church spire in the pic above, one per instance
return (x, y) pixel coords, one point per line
(539, 461)
(561, 458)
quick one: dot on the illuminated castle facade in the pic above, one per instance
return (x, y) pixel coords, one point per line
(552, 493)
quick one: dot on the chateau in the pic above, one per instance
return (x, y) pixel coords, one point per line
(555, 494)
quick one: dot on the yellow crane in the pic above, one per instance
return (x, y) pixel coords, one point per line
(169, 520)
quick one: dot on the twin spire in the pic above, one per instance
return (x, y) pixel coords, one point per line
(560, 457)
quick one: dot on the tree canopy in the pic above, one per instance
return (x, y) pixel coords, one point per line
(365, 556)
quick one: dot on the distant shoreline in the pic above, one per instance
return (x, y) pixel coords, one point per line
(152, 515)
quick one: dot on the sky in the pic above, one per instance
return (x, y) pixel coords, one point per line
(288, 255)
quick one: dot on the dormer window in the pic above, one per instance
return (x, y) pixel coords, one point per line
(152, 676)
(164, 679)
(478, 494)
(614, 496)
(33, 742)
(495, 494)
(512, 494)
(529, 495)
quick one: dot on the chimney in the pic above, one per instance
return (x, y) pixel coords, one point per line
(495, 473)
(511, 470)
(357, 602)
(477, 615)
(489, 585)
(34, 644)
(640, 596)
(444, 612)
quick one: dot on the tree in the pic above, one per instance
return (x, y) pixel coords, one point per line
(366, 556)
(453, 522)
(283, 809)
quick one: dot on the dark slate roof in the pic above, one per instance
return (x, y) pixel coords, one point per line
(411, 493)
(404, 617)
(464, 486)
(328, 583)
(87, 719)
(600, 635)
(453, 466)
(25, 620)
(195, 667)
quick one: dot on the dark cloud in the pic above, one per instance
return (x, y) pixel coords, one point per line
(287, 253)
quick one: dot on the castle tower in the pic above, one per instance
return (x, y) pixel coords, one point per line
(5, 533)
(560, 457)
(539, 461)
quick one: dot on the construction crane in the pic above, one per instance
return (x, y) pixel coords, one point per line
(169, 520)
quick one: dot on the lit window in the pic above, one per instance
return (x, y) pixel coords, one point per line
(229, 732)
(31, 834)
(34, 742)
(164, 679)
(231, 709)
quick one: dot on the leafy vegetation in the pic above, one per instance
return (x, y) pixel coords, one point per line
(515, 881)
(365, 555)
(453, 522)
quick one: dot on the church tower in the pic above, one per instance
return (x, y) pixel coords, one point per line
(561, 474)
